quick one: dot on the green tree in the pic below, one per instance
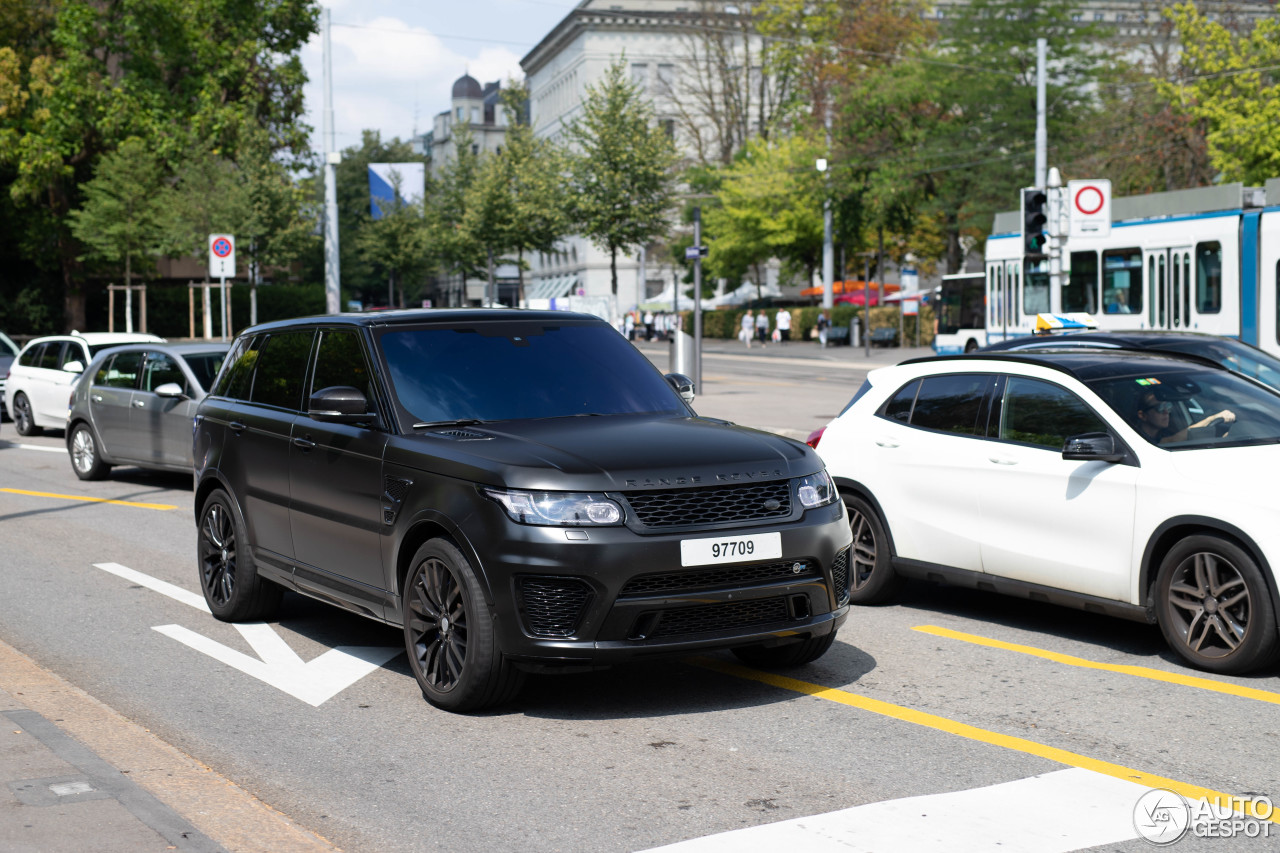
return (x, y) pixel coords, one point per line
(399, 245)
(88, 75)
(1232, 86)
(121, 220)
(622, 183)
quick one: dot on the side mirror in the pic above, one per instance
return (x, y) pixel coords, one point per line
(339, 404)
(1091, 447)
(73, 367)
(171, 390)
(683, 385)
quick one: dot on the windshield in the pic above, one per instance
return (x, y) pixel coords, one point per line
(506, 371)
(1236, 356)
(1182, 407)
(7, 347)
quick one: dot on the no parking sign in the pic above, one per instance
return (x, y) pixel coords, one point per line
(222, 256)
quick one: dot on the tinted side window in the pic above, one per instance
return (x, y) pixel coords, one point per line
(1037, 412)
(31, 358)
(1122, 281)
(51, 355)
(282, 366)
(160, 370)
(951, 403)
(1208, 278)
(237, 371)
(899, 406)
(340, 361)
(121, 371)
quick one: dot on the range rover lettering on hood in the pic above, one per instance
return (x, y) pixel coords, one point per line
(697, 479)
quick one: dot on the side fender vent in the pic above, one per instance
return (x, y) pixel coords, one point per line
(394, 491)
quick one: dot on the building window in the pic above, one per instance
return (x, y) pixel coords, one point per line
(475, 115)
(667, 78)
(640, 75)
(1076, 16)
(475, 148)
(462, 113)
(669, 127)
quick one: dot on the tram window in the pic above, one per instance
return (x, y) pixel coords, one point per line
(1081, 292)
(1035, 288)
(1122, 281)
(1208, 278)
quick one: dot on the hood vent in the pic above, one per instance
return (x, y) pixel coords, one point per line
(460, 434)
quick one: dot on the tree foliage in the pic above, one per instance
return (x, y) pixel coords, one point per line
(622, 182)
(1232, 84)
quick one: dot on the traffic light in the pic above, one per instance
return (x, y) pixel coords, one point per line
(1034, 218)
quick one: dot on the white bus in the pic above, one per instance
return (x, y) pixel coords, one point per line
(961, 314)
(1205, 260)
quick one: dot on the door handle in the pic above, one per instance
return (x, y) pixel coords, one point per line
(1000, 460)
(97, 398)
(139, 404)
(886, 442)
(236, 427)
(304, 443)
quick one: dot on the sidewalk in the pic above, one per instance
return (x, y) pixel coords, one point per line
(75, 776)
(859, 357)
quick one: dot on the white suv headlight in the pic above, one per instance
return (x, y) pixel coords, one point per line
(816, 490)
(570, 509)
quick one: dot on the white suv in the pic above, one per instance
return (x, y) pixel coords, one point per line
(39, 383)
(1135, 484)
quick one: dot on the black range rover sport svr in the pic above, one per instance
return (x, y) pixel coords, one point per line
(519, 490)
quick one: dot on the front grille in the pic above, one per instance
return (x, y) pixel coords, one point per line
(720, 577)
(713, 505)
(840, 576)
(552, 606)
(709, 618)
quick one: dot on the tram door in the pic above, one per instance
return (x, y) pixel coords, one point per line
(1169, 288)
(1004, 280)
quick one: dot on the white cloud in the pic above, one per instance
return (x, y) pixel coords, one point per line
(390, 75)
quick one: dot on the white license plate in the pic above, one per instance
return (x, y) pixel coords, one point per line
(730, 549)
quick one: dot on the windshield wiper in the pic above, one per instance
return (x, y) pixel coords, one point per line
(455, 423)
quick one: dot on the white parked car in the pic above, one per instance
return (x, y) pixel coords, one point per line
(1136, 484)
(40, 380)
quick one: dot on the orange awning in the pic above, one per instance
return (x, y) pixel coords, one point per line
(839, 287)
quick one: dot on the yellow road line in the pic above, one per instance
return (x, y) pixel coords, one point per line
(88, 499)
(1124, 669)
(1260, 809)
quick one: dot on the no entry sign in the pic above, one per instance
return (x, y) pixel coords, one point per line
(222, 256)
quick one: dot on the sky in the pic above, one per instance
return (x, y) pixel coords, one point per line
(394, 61)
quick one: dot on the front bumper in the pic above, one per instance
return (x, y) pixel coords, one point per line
(564, 600)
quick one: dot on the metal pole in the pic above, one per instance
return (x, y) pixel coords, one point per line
(697, 300)
(1042, 132)
(331, 157)
(223, 284)
(866, 304)
(828, 253)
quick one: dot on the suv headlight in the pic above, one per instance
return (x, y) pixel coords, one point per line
(816, 490)
(569, 509)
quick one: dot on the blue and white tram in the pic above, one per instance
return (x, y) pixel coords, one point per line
(1205, 260)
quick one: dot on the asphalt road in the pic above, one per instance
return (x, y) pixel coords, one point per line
(939, 694)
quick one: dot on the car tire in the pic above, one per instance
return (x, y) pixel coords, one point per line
(229, 578)
(786, 656)
(1214, 607)
(872, 579)
(24, 420)
(449, 633)
(86, 461)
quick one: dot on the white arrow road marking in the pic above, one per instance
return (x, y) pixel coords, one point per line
(313, 682)
(1052, 813)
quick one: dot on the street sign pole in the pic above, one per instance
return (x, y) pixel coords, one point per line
(697, 300)
(223, 286)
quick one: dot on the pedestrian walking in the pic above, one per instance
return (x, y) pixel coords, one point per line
(648, 325)
(782, 323)
(748, 328)
(823, 325)
(762, 327)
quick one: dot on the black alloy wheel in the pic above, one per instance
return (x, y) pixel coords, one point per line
(24, 420)
(449, 634)
(1214, 607)
(872, 579)
(228, 576)
(85, 459)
